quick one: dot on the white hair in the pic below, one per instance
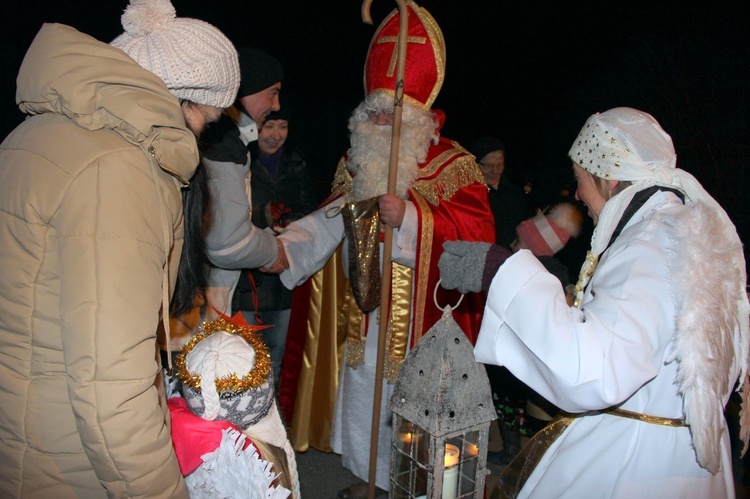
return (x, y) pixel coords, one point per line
(369, 155)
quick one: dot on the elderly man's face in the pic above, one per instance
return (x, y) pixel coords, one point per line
(492, 166)
(381, 118)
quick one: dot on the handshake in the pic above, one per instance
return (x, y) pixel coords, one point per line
(469, 267)
(281, 262)
(273, 213)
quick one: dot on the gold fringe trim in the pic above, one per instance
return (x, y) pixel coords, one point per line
(399, 316)
(342, 180)
(392, 368)
(355, 352)
(397, 329)
(458, 174)
(438, 161)
(354, 322)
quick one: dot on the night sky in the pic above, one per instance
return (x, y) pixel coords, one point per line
(529, 73)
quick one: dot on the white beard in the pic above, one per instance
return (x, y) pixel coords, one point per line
(369, 156)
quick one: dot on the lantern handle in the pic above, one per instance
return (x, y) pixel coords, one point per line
(448, 307)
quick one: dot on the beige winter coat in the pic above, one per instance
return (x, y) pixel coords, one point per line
(90, 237)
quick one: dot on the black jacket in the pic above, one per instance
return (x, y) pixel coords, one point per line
(292, 186)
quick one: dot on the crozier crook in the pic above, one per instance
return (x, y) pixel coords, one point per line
(385, 288)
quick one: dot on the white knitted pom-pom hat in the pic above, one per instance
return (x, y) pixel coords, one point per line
(194, 59)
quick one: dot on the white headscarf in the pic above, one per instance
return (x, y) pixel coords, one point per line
(630, 145)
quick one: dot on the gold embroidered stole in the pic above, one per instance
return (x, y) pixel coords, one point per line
(397, 329)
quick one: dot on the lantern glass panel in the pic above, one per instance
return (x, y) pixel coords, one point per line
(469, 462)
(410, 460)
(428, 466)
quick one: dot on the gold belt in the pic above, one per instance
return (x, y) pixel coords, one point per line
(647, 418)
(514, 476)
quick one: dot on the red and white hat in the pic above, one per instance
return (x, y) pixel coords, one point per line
(425, 57)
(546, 234)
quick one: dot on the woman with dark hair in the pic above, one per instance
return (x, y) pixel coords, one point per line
(191, 276)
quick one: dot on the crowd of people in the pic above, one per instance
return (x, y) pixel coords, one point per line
(160, 179)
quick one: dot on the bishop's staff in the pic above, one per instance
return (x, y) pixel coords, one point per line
(385, 288)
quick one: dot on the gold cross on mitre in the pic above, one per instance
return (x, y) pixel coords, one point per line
(394, 39)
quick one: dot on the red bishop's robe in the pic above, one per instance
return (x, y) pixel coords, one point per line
(451, 200)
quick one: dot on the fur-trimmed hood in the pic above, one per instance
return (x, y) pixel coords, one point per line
(98, 86)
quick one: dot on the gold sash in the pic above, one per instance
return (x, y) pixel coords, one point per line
(397, 330)
(514, 476)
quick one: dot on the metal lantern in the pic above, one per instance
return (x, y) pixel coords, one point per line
(442, 410)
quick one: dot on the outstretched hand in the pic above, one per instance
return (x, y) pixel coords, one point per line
(462, 265)
(281, 263)
(470, 266)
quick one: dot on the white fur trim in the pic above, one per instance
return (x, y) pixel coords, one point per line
(231, 472)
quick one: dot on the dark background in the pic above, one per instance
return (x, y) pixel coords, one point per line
(529, 73)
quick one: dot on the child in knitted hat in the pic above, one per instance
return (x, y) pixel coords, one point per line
(547, 233)
(227, 431)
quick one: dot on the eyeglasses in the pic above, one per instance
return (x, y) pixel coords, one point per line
(492, 166)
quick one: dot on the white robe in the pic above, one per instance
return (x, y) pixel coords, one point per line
(309, 243)
(612, 352)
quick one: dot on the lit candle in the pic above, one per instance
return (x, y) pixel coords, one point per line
(409, 442)
(450, 474)
(472, 450)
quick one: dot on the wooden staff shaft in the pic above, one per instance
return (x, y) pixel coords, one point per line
(385, 287)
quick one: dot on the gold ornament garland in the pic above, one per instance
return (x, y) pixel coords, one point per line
(587, 270)
(257, 377)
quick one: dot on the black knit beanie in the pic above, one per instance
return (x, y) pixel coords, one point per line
(258, 71)
(480, 148)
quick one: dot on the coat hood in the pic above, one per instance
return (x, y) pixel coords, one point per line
(98, 86)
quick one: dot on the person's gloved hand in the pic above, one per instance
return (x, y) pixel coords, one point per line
(470, 266)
